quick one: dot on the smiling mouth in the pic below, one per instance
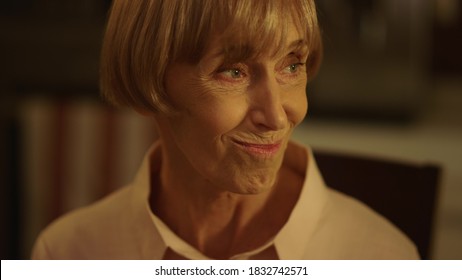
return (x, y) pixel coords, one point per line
(260, 149)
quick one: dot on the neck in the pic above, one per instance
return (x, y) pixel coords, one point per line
(217, 222)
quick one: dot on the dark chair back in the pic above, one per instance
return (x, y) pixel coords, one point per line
(404, 193)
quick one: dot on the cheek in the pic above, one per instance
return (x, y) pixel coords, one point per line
(221, 115)
(302, 108)
(298, 106)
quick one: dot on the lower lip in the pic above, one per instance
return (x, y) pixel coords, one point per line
(260, 149)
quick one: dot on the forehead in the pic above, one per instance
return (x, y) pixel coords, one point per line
(238, 48)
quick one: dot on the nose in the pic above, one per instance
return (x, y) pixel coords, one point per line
(267, 100)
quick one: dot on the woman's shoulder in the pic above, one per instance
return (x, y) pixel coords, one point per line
(362, 233)
(86, 231)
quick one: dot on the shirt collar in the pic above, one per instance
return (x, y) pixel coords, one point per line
(148, 234)
(293, 238)
(290, 242)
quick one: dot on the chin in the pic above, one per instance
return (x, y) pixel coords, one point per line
(256, 190)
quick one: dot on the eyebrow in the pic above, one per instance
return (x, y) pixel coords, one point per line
(232, 56)
(297, 44)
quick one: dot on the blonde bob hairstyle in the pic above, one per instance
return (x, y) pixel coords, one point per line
(144, 36)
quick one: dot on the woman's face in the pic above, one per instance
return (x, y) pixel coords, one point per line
(235, 119)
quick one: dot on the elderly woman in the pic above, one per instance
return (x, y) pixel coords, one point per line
(225, 84)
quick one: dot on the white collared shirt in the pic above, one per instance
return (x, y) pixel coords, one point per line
(324, 224)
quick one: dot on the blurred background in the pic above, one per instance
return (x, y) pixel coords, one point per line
(390, 86)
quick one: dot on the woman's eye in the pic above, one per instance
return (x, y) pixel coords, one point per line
(233, 73)
(294, 68)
